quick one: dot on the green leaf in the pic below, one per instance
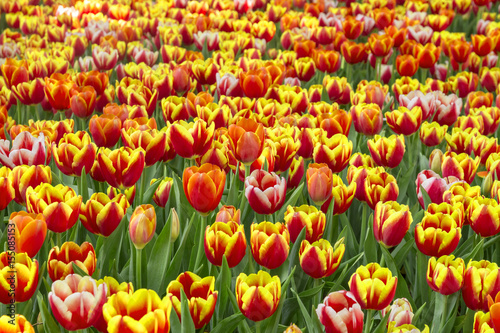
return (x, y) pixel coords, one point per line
(293, 257)
(49, 324)
(222, 284)
(290, 202)
(304, 312)
(111, 247)
(350, 264)
(475, 251)
(425, 195)
(84, 187)
(243, 326)
(310, 292)
(418, 313)
(382, 326)
(232, 195)
(78, 270)
(401, 254)
(187, 325)
(148, 195)
(175, 323)
(229, 324)
(157, 263)
(370, 243)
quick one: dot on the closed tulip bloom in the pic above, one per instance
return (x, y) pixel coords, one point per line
(432, 134)
(30, 92)
(191, 140)
(338, 89)
(204, 186)
(340, 312)
(200, 294)
(491, 118)
(380, 45)
(354, 53)
(406, 65)
(335, 151)
(228, 214)
(460, 50)
(73, 153)
(6, 188)
(438, 234)
(297, 218)
(24, 176)
(162, 193)
(373, 286)
(319, 182)
(270, 243)
(140, 311)
(367, 118)
(105, 130)
(153, 142)
(404, 121)
(380, 187)
(15, 72)
(305, 68)
(427, 55)
(255, 82)
(352, 28)
(76, 301)
(461, 166)
(60, 261)
(391, 222)
(481, 279)
(225, 239)
(295, 173)
(121, 168)
(342, 196)
(258, 295)
(142, 226)
(30, 232)
(83, 101)
(59, 205)
(320, 259)
(101, 215)
(292, 329)
(400, 312)
(445, 274)
(482, 45)
(58, 91)
(18, 272)
(484, 216)
(387, 152)
(25, 150)
(265, 191)
(246, 140)
(21, 325)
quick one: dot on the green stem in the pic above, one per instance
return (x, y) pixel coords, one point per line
(445, 312)
(318, 296)
(201, 241)
(368, 322)
(423, 75)
(334, 230)
(143, 185)
(257, 327)
(247, 170)
(378, 65)
(138, 268)
(364, 226)
(58, 239)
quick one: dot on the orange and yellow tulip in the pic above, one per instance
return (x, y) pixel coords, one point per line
(204, 186)
(481, 279)
(30, 232)
(225, 239)
(308, 217)
(20, 270)
(319, 182)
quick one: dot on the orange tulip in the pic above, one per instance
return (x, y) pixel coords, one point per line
(204, 186)
(255, 82)
(30, 232)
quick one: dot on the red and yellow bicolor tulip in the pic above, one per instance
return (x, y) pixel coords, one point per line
(400, 312)
(204, 186)
(320, 259)
(305, 216)
(121, 168)
(387, 151)
(445, 274)
(225, 238)
(265, 191)
(77, 301)
(200, 294)
(354, 53)
(162, 193)
(391, 222)
(437, 234)
(24, 176)
(152, 141)
(60, 261)
(373, 286)
(59, 205)
(481, 279)
(367, 118)
(406, 65)
(334, 152)
(140, 311)
(404, 121)
(74, 152)
(255, 82)
(246, 140)
(461, 166)
(142, 225)
(406, 328)
(432, 134)
(105, 130)
(228, 214)
(21, 325)
(18, 277)
(30, 232)
(30, 92)
(270, 243)
(342, 196)
(58, 91)
(101, 215)
(258, 295)
(191, 140)
(380, 45)
(380, 187)
(319, 182)
(484, 216)
(6, 187)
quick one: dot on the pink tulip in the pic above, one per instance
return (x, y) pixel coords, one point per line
(228, 85)
(26, 150)
(265, 191)
(448, 108)
(426, 102)
(341, 313)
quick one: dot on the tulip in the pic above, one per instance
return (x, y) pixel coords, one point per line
(406, 65)
(228, 214)
(76, 301)
(432, 134)
(296, 218)
(295, 173)
(319, 182)
(121, 312)
(484, 216)
(438, 234)
(267, 238)
(477, 99)
(380, 45)
(26, 150)
(387, 152)
(153, 142)
(142, 226)
(203, 187)
(265, 191)
(341, 195)
(461, 166)
(338, 89)
(225, 239)
(491, 118)
(391, 222)
(24, 176)
(15, 72)
(258, 295)
(200, 294)
(58, 91)
(354, 53)
(367, 118)
(101, 215)
(105, 130)
(482, 45)
(162, 193)
(121, 168)
(20, 325)
(18, 277)
(373, 286)
(481, 280)
(246, 140)
(59, 205)
(61, 260)
(30, 92)
(292, 329)
(73, 153)
(255, 82)
(404, 86)
(400, 312)
(445, 275)
(406, 328)
(340, 312)
(404, 121)
(335, 151)
(319, 259)
(30, 232)
(191, 140)
(6, 187)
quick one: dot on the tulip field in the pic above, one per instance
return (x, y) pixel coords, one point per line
(251, 166)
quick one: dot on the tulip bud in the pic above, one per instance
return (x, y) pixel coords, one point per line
(142, 226)
(270, 243)
(160, 197)
(400, 312)
(320, 259)
(174, 233)
(435, 160)
(487, 183)
(391, 222)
